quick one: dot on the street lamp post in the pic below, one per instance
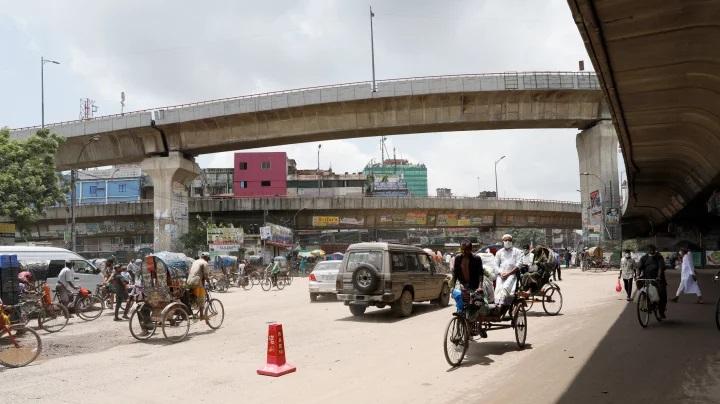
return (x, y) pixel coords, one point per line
(372, 49)
(73, 179)
(497, 195)
(42, 88)
(318, 168)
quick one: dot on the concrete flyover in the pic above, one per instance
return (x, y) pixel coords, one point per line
(659, 67)
(354, 212)
(415, 105)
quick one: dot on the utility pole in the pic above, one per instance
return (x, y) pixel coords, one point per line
(497, 196)
(318, 168)
(372, 49)
(42, 88)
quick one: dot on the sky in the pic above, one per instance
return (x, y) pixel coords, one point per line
(171, 52)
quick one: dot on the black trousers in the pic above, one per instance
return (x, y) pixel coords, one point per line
(558, 271)
(662, 291)
(628, 287)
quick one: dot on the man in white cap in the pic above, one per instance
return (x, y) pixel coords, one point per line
(507, 259)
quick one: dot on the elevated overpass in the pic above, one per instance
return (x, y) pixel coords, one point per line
(658, 66)
(165, 140)
(350, 212)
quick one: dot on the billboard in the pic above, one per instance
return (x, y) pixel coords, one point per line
(276, 235)
(225, 239)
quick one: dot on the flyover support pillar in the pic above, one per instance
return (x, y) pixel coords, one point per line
(597, 149)
(170, 175)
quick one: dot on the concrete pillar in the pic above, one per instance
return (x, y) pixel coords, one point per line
(597, 149)
(170, 175)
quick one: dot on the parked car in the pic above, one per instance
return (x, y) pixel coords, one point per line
(322, 279)
(381, 274)
(45, 264)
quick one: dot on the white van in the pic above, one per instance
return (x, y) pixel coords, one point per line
(48, 261)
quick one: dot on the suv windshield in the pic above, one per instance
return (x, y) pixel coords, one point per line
(356, 258)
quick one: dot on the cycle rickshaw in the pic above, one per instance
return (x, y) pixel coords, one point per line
(168, 302)
(538, 285)
(478, 317)
(594, 258)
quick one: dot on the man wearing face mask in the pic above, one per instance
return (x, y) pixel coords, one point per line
(652, 266)
(627, 273)
(507, 259)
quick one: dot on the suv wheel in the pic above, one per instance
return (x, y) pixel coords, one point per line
(313, 297)
(357, 309)
(403, 306)
(365, 278)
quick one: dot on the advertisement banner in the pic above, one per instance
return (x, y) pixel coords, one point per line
(595, 203)
(416, 218)
(7, 233)
(446, 219)
(612, 216)
(276, 235)
(225, 238)
(325, 221)
(352, 221)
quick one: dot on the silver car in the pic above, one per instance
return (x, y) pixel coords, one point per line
(322, 279)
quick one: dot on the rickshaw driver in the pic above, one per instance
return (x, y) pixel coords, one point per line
(507, 259)
(198, 275)
(468, 270)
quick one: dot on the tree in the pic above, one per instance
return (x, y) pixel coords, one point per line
(29, 183)
(527, 236)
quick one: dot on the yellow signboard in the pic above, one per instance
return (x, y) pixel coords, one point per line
(325, 221)
(7, 228)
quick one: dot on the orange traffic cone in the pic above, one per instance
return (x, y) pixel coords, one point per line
(276, 365)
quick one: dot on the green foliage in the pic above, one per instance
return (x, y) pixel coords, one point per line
(29, 183)
(527, 236)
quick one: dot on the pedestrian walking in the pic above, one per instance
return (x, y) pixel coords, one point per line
(118, 284)
(303, 265)
(628, 268)
(688, 279)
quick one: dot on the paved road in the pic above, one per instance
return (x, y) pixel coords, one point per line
(594, 352)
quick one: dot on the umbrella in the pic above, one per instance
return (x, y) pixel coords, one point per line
(317, 252)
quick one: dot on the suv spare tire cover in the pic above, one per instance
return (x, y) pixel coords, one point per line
(365, 278)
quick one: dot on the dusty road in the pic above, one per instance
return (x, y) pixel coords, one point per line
(594, 352)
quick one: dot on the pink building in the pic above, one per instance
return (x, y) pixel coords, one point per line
(260, 174)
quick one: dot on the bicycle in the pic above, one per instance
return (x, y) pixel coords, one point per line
(267, 282)
(19, 345)
(51, 317)
(245, 281)
(86, 305)
(645, 305)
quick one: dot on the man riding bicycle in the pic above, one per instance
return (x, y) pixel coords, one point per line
(652, 266)
(198, 275)
(65, 286)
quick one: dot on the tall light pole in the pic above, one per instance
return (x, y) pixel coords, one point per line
(318, 168)
(497, 195)
(42, 88)
(372, 49)
(73, 179)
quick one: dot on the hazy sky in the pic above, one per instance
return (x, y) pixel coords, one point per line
(172, 52)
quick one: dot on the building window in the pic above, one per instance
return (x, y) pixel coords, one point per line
(243, 184)
(122, 188)
(242, 165)
(265, 183)
(265, 165)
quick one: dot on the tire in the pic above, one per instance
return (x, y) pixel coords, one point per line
(175, 323)
(520, 325)
(138, 330)
(19, 347)
(313, 297)
(246, 282)
(552, 300)
(222, 286)
(280, 283)
(365, 278)
(266, 284)
(54, 317)
(403, 306)
(89, 308)
(643, 309)
(255, 278)
(214, 313)
(357, 310)
(444, 299)
(456, 341)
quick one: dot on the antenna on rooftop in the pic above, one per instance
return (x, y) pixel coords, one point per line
(87, 108)
(122, 102)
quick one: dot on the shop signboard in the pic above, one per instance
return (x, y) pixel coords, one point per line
(325, 221)
(225, 239)
(416, 218)
(7, 233)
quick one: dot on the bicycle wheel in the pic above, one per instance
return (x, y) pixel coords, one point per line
(552, 300)
(54, 317)
(643, 309)
(266, 283)
(19, 346)
(214, 313)
(175, 323)
(141, 325)
(457, 339)
(280, 283)
(289, 279)
(89, 308)
(246, 282)
(255, 278)
(717, 314)
(520, 325)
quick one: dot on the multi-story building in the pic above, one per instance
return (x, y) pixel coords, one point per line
(414, 175)
(313, 183)
(110, 185)
(443, 192)
(213, 182)
(260, 174)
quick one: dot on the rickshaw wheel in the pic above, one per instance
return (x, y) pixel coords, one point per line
(552, 300)
(520, 325)
(457, 339)
(137, 330)
(529, 302)
(214, 313)
(175, 322)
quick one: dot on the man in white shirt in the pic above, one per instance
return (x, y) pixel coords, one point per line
(507, 259)
(65, 285)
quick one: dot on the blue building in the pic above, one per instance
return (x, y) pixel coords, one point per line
(116, 184)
